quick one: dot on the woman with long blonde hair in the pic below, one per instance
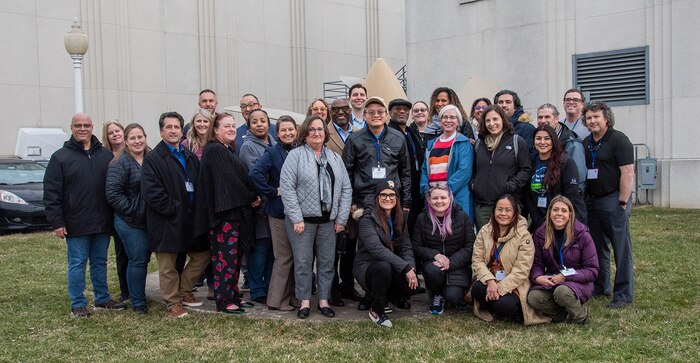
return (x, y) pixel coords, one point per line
(196, 138)
(565, 265)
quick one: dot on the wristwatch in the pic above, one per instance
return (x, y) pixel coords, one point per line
(623, 203)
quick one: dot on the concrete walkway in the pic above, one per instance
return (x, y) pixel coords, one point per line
(418, 309)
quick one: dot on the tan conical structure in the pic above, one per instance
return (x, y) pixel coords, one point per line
(382, 82)
(476, 88)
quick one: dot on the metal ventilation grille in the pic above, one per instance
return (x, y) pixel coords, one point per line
(619, 77)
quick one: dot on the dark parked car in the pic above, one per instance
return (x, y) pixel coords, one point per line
(21, 195)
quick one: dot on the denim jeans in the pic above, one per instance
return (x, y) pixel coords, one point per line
(92, 247)
(136, 245)
(260, 261)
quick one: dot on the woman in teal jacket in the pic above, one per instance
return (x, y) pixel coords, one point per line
(449, 159)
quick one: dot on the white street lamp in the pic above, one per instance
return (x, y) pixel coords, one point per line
(76, 43)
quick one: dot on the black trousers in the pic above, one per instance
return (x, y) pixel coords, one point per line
(507, 307)
(436, 281)
(122, 263)
(385, 284)
(343, 280)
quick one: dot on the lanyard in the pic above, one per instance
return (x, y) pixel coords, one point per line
(593, 148)
(561, 253)
(575, 123)
(376, 142)
(391, 228)
(497, 251)
(410, 141)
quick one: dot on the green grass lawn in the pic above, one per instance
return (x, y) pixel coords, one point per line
(662, 325)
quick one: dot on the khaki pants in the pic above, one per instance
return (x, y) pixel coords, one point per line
(281, 290)
(559, 303)
(173, 286)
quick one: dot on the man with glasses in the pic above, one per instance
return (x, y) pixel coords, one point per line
(343, 282)
(610, 179)
(249, 103)
(376, 153)
(573, 105)
(341, 125)
(77, 208)
(399, 110)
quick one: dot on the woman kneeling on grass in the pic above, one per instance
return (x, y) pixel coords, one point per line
(443, 240)
(565, 266)
(384, 264)
(502, 258)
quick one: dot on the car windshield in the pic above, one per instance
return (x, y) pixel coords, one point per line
(21, 173)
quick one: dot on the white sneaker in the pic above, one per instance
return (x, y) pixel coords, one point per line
(381, 320)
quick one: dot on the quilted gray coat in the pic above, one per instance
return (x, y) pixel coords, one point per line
(300, 189)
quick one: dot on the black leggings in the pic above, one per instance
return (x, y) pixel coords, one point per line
(436, 281)
(507, 307)
(385, 283)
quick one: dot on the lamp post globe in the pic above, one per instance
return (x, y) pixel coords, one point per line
(76, 43)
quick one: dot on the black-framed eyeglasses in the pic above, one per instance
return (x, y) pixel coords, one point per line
(387, 196)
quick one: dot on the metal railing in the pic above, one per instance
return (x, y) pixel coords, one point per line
(334, 90)
(401, 76)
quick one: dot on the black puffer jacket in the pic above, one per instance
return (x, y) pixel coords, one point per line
(372, 245)
(74, 189)
(124, 191)
(500, 172)
(457, 247)
(360, 156)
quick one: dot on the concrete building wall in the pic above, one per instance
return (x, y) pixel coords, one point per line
(527, 46)
(151, 56)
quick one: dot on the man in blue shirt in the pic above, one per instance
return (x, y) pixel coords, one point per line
(357, 96)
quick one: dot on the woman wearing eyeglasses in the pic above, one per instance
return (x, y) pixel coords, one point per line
(449, 159)
(501, 261)
(384, 264)
(419, 115)
(319, 107)
(316, 194)
(478, 107)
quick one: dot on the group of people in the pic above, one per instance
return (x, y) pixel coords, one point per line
(513, 219)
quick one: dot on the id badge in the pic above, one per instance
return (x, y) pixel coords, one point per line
(568, 271)
(592, 174)
(379, 172)
(541, 202)
(500, 275)
(189, 186)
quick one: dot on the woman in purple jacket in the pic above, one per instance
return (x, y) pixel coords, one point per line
(565, 265)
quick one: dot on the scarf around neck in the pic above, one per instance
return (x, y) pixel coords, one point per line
(324, 180)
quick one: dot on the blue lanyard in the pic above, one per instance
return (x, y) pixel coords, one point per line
(391, 228)
(410, 141)
(498, 252)
(375, 141)
(593, 148)
(561, 253)
(575, 123)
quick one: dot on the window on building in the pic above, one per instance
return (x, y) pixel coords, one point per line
(618, 77)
